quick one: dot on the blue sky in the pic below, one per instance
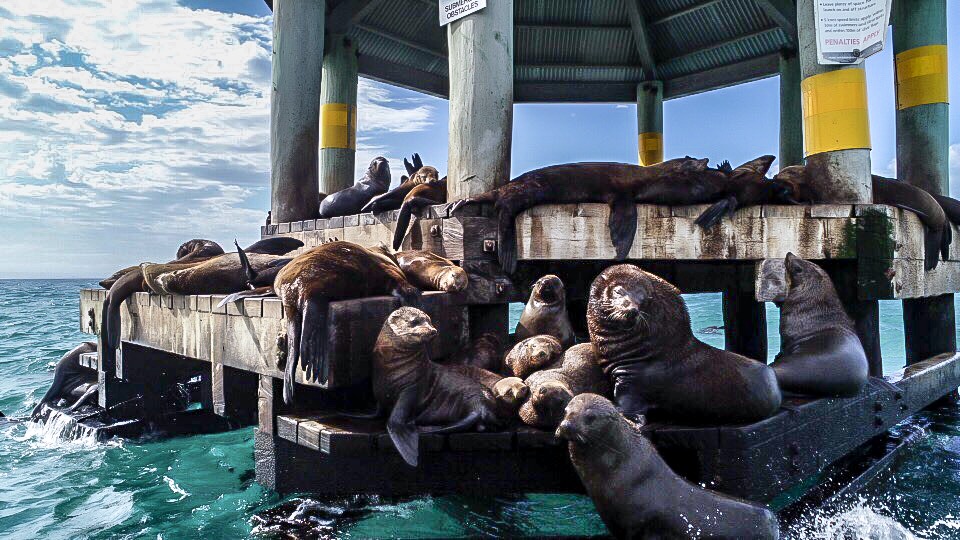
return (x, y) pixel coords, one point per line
(127, 127)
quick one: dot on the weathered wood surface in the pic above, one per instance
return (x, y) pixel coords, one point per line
(244, 335)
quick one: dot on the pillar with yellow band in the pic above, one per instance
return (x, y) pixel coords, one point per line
(338, 126)
(338, 115)
(835, 111)
(650, 122)
(921, 76)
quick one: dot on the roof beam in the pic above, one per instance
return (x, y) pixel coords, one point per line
(561, 26)
(403, 76)
(721, 44)
(641, 39)
(685, 11)
(348, 13)
(403, 41)
(722, 77)
(784, 13)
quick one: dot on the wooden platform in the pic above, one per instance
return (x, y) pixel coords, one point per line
(885, 243)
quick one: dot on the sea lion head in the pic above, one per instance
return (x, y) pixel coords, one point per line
(754, 169)
(533, 354)
(451, 279)
(545, 407)
(591, 419)
(792, 187)
(805, 280)
(378, 173)
(548, 291)
(684, 165)
(511, 391)
(199, 247)
(426, 175)
(411, 328)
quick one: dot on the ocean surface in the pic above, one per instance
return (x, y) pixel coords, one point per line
(203, 487)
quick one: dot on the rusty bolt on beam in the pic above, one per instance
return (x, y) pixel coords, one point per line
(435, 231)
(489, 246)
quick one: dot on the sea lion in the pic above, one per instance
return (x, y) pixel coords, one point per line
(420, 394)
(950, 206)
(225, 274)
(641, 329)
(349, 201)
(546, 312)
(70, 380)
(551, 389)
(329, 272)
(820, 353)
(938, 234)
(416, 200)
(682, 181)
(510, 392)
(636, 493)
(192, 250)
(394, 198)
(485, 352)
(532, 354)
(430, 271)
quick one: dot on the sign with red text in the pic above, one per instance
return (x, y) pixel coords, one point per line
(451, 10)
(850, 30)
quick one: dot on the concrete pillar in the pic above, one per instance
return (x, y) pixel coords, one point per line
(295, 108)
(338, 115)
(791, 110)
(650, 122)
(923, 149)
(481, 100)
(836, 128)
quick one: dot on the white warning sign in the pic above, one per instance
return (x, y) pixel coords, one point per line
(850, 30)
(451, 10)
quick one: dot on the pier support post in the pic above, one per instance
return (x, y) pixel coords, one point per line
(791, 110)
(338, 115)
(481, 100)
(923, 148)
(650, 122)
(295, 108)
(745, 324)
(836, 128)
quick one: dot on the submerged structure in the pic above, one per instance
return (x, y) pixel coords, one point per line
(570, 51)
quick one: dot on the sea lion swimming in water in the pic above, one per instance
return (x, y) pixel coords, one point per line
(634, 490)
(552, 389)
(676, 182)
(430, 271)
(641, 329)
(938, 234)
(327, 273)
(70, 380)
(419, 394)
(820, 354)
(416, 200)
(349, 201)
(546, 312)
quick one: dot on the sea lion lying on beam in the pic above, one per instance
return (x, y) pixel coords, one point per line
(634, 490)
(552, 389)
(416, 200)
(682, 181)
(192, 250)
(349, 201)
(391, 200)
(532, 354)
(430, 271)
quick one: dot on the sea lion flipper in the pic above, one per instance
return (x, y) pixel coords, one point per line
(711, 216)
(465, 424)
(253, 293)
(401, 426)
(931, 247)
(403, 223)
(408, 166)
(417, 162)
(945, 240)
(293, 358)
(313, 351)
(248, 270)
(623, 226)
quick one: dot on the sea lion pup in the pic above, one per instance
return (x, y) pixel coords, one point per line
(485, 352)
(636, 493)
(532, 354)
(675, 182)
(330, 272)
(552, 389)
(70, 380)
(641, 329)
(421, 395)
(546, 312)
(349, 201)
(430, 271)
(938, 234)
(415, 201)
(192, 250)
(820, 354)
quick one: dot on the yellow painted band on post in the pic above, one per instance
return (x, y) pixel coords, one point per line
(922, 76)
(835, 111)
(338, 126)
(651, 147)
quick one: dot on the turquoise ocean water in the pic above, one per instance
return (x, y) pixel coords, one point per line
(202, 486)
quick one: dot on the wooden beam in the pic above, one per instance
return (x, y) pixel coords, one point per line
(682, 12)
(571, 27)
(720, 44)
(574, 92)
(722, 76)
(348, 13)
(408, 77)
(784, 14)
(641, 39)
(386, 34)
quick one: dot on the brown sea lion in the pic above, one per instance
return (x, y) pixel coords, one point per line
(641, 329)
(546, 312)
(820, 353)
(532, 354)
(681, 181)
(416, 200)
(938, 234)
(192, 250)
(221, 275)
(419, 394)
(950, 206)
(349, 201)
(510, 392)
(430, 271)
(551, 389)
(71, 381)
(485, 352)
(391, 200)
(329, 272)
(636, 493)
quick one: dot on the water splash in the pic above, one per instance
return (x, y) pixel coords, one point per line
(854, 520)
(56, 431)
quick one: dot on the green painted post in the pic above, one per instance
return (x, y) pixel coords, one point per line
(923, 148)
(650, 122)
(791, 111)
(338, 115)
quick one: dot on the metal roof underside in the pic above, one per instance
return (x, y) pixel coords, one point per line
(582, 50)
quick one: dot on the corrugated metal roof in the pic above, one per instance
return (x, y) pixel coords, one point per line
(583, 50)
